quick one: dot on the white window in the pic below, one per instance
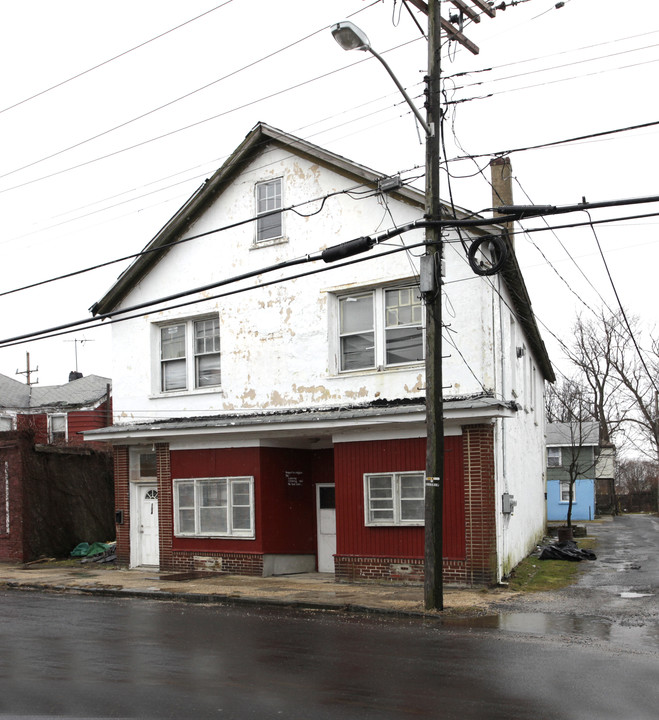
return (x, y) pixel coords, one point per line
(268, 210)
(554, 457)
(380, 328)
(394, 498)
(214, 507)
(5, 423)
(565, 491)
(190, 354)
(57, 427)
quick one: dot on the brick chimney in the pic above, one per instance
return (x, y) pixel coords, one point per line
(502, 188)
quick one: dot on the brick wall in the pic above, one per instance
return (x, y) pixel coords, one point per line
(122, 501)
(234, 563)
(165, 506)
(480, 510)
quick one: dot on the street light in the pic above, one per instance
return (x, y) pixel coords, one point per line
(350, 37)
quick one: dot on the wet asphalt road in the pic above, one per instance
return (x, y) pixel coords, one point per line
(73, 656)
(589, 651)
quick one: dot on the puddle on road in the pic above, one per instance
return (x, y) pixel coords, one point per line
(631, 595)
(549, 624)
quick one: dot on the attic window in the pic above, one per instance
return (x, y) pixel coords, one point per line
(268, 202)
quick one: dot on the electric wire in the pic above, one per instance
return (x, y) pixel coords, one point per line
(623, 313)
(112, 59)
(110, 318)
(230, 226)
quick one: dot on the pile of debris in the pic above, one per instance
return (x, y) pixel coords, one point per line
(564, 550)
(97, 552)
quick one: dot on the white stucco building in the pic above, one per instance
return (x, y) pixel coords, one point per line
(269, 408)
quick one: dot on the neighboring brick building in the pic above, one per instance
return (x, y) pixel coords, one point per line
(56, 414)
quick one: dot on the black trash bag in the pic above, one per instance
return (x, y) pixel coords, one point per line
(566, 550)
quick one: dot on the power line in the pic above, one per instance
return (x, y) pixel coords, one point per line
(110, 318)
(193, 125)
(112, 59)
(545, 57)
(553, 82)
(554, 143)
(292, 208)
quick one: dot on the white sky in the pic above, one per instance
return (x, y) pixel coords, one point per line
(597, 60)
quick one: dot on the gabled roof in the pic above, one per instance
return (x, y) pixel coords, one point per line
(584, 434)
(254, 143)
(82, 392)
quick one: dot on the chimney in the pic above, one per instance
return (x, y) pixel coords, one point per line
(502, 188)
(74, 375)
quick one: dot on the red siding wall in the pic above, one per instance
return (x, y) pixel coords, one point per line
(353, 460)
(287, 502)
(230, 462)
(80, 420)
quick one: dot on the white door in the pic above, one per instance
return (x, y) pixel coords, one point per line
(326, 521)
(147, 530)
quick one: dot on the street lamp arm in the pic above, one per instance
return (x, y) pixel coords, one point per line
(408, 99)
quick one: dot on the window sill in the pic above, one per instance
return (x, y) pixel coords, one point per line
(379, 370)
(268, 243)
(216, 537)
(186, 393)
(395, 525)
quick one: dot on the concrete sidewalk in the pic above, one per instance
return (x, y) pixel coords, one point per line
(310, 590)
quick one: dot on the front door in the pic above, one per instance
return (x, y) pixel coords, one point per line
(147, 530)
(326, 521)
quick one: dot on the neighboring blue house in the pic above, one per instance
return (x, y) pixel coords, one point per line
(577, 446)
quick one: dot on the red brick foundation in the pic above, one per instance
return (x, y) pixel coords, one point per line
(234, 563)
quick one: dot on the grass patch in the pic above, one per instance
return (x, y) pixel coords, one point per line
(534, 575)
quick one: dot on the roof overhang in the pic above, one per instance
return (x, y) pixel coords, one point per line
(315, 428)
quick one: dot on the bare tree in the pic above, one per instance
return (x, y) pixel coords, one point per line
(622, 377)
(595, 351)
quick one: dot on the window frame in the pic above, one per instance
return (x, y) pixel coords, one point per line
(396, 519)
(270, 213)
(558, 455)
(231, 483)
(63, 436)
(379, 327)
(191, 357)
(562, 484)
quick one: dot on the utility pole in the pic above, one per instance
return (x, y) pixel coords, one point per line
(433, 582)
(431, 287)
(28, 372)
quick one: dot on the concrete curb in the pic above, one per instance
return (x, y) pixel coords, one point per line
(217, 599)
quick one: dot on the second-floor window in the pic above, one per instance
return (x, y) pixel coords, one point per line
(554, 457)
(380, 328)
(268, 210)
(190, 354)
